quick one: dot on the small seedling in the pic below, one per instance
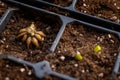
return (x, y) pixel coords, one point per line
(31, 35)
(97, 48)
(78, 56)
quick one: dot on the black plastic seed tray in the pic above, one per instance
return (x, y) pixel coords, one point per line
(42, 68)
(73, 13)
(85, 19)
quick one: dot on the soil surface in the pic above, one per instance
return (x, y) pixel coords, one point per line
(76, 37)
(94, 66)
(12, 45)
(108, 9)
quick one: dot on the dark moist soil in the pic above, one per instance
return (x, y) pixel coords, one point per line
(12, 71)
(93, 66)
(75, 38)
(12, 45)
(63, 3)
(108, 9)
(3, 7)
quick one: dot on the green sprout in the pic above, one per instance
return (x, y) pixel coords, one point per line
(97, 48)
(78, 56)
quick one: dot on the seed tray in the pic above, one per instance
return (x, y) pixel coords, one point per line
(5, 18)
(78, 15)
(104, 9)
(65, 20)
(77, 37)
